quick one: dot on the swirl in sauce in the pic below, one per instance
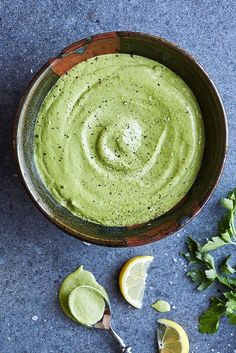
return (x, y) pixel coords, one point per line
(119, 139)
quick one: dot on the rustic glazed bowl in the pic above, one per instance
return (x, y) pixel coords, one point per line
(211, 106)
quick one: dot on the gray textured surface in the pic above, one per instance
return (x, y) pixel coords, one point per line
(34, 255)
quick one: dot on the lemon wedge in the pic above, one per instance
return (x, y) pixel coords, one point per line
(171, 337)
(132, 279)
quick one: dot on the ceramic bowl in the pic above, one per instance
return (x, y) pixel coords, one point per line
(211, 106)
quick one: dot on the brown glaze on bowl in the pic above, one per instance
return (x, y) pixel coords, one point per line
(211, 106)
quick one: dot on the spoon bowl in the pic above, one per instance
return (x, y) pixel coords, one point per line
(106, 324)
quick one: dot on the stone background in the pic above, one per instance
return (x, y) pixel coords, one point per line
(34, 255)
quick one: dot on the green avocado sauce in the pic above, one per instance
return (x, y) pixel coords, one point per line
(119, 139)
(82, 297)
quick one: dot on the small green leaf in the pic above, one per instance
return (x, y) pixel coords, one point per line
(232, 318)
(209, 260)
(227, 281)
(200, 279)
(191, 258)
(230, 295)
(205, 259)
(194, 254)
(232, 196)
(225, 267)
(204, 285)
(223, 223)
(210, 319)
(231, 303)
(193, 245)
(213, 244)
(227, 203)
(231, 307)
(197, 276)
(211, 274)
(226, 237)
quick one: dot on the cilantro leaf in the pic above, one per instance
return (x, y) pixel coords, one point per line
(199, 277)
(214, 243)
(230, 296)
(227, 203)
(193, 256)
(226, 228)
(209, 260)
(231, 301)
(193, 245)
(189, 257)
(232, 318)
(225, 267)
(223, 224)
(211, 274)
(210, 319)
(205, 273)
(227, 221)
(227, 281)
(226, 237)
(231, 307)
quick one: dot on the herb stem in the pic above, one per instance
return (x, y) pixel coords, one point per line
(232, 223)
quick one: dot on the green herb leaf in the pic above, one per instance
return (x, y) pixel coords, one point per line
(210, 319)
(213, 244)
(193, 245)
(199, 277)
(205, 273)
(227, 281)
(227, 222)
(223, 224)
(194, 255)
(231, 302)
(209, 260)
(232, 196)
(189, 257)
(205, 258)
(211, 274)
(231, 307)
(225, 267)
(232, 318)
(230, 296)
(228, 203)
(226, 237)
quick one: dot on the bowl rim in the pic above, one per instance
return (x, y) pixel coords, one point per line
(79, 235)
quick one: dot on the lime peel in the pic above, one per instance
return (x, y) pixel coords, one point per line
(161, 306)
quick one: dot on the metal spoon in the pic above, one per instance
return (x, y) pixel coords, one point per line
(105, 324)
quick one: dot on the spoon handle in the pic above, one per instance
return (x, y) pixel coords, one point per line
(124, 348)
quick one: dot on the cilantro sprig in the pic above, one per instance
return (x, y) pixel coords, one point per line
(205, 272)
(226, 227)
